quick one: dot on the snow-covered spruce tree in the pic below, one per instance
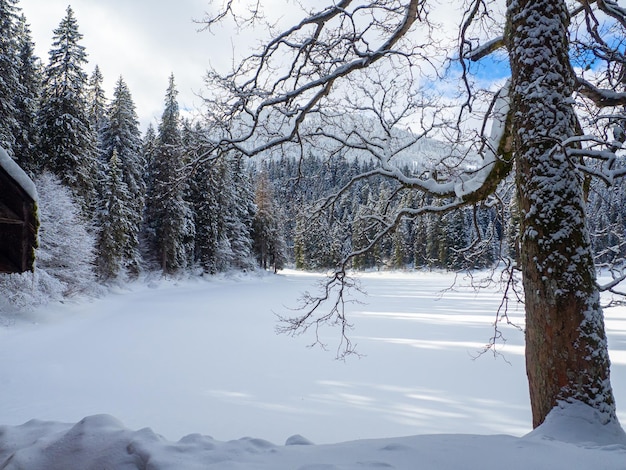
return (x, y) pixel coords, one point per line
(26, 100)
(96, 101)
(9, 75)
(238, 210)
(68, 143)
(607, 207)
(148, 151)
(170, 217)
(147, 238)
(205, 195)
(367, 58)
(96, 111)
(115, 223)
(121, 136)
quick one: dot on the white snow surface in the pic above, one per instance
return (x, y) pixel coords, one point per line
(142, 377)
(16, 172)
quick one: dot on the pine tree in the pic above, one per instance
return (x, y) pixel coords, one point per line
(455, 239)
(9, 84)
(240, 211)
(68, 144)
(115, 223)
(27, 101)
(205, 196)
(148, 151)
(97, 113)
(121, 137)
(171, 217)
(147, 235)
(96, 101)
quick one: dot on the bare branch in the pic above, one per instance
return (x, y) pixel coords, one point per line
(338, 290)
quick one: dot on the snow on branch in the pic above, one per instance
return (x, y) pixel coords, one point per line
(600, 96)
(485, 49)
(611, 8)
(610, 286)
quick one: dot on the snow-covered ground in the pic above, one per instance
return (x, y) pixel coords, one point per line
(197, 358)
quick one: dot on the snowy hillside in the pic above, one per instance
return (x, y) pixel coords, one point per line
(192, 359)
(365, 142)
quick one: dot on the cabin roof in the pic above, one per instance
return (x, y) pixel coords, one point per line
(19, 176)
(18, 218)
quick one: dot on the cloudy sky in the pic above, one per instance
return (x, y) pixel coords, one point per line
(146, 40)
(142, 40)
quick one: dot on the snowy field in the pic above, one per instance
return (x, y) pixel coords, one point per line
(200, 358)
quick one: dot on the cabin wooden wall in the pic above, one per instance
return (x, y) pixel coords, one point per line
(18, 227)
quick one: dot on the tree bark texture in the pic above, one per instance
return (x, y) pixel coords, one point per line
(566, 349)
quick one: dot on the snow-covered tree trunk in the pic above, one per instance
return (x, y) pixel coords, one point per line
(566, 349)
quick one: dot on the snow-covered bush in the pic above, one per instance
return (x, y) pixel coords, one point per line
(66, 247)
(25, 290)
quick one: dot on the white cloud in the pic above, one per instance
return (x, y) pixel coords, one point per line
(143, 41)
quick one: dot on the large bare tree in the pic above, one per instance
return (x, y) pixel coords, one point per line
(353, 76)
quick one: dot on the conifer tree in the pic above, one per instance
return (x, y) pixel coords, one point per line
(96, 111)
(240, 210)
(148, 151)
(171, 217)
(27, 100)
(205, 196)
(68, 143)
(115, 223)
(147, 234)
(96, 100)
(121, 137)
(9, 83)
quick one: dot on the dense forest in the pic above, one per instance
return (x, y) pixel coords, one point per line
(115, 203)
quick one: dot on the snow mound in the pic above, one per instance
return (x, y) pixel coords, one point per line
(578, 423)
(298, 440)
(101, 441)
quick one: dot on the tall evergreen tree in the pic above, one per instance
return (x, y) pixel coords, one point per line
(148, 151)
(147, 237)
(9, 83)
(205, 196)
(27, 100)
(170, 216)
(121, 137)
(96, 100)
(97, 113)
(240, 210)
(68, 143)
(115, 223)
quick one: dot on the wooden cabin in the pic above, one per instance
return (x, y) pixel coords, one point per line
(18, 218)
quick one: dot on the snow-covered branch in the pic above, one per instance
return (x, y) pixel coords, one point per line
(600, 96)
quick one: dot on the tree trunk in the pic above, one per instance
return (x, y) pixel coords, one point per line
(566, 350)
